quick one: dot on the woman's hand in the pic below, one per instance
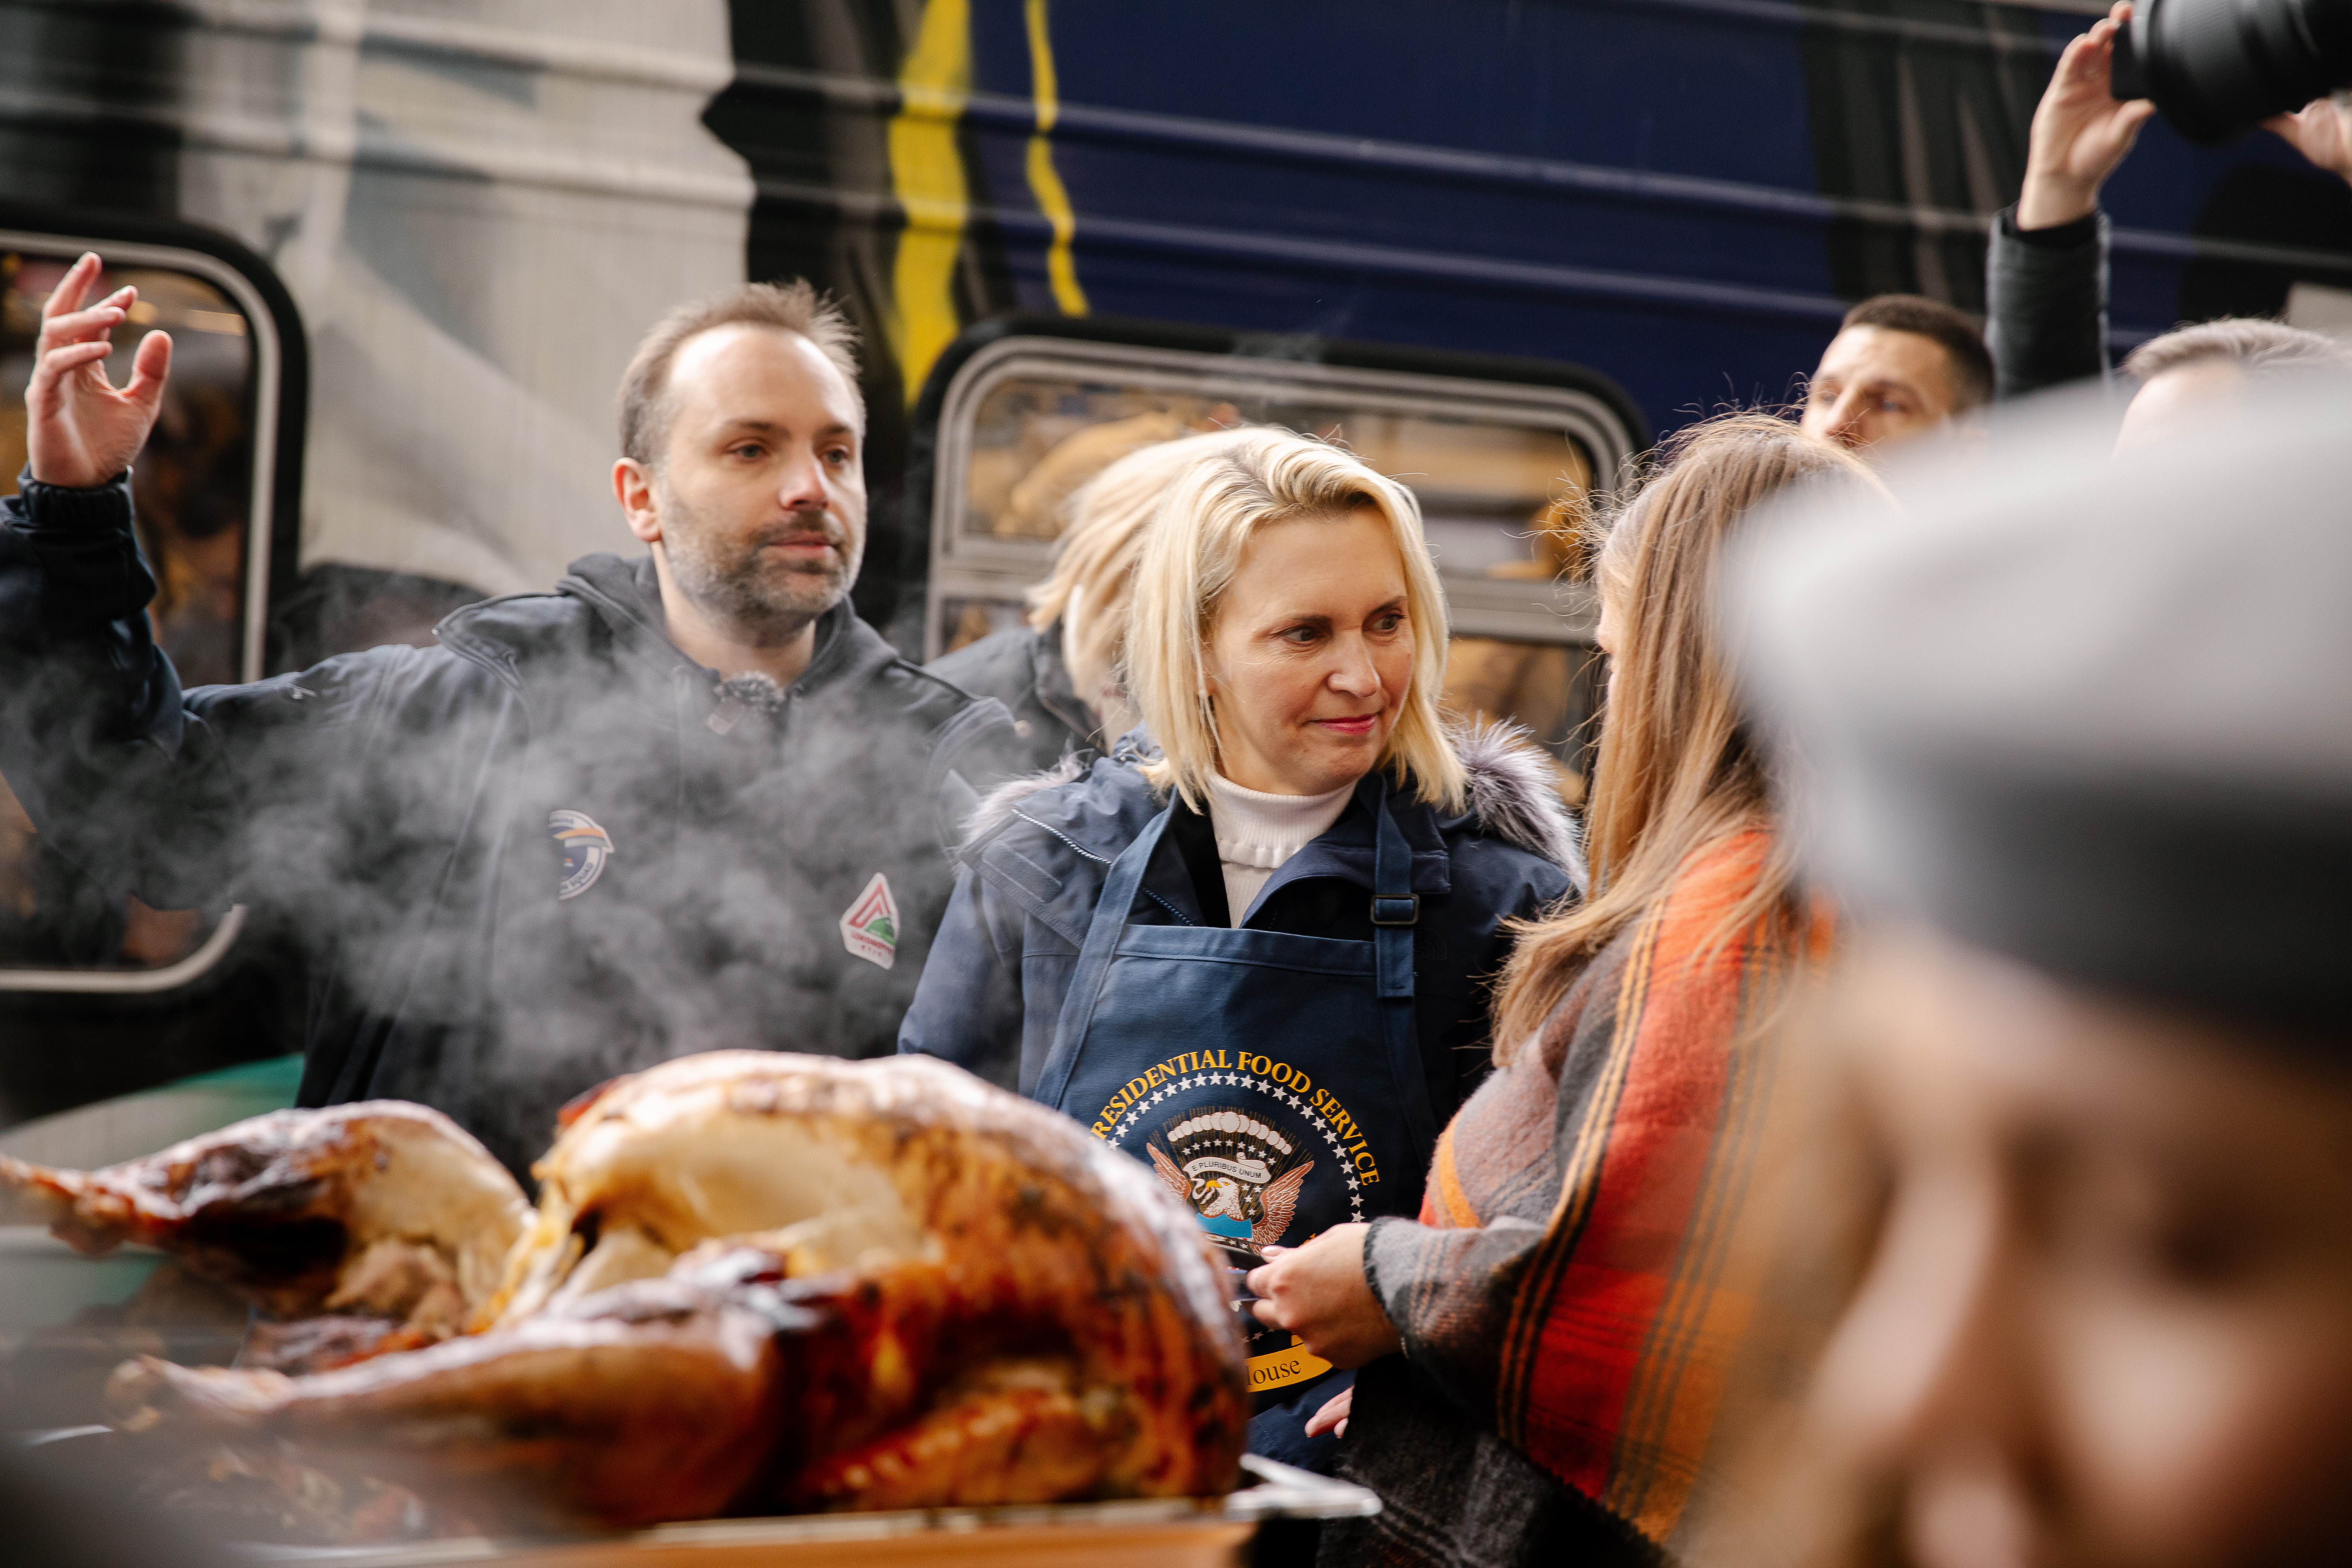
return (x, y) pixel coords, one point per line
(1317, 1292)
(2080, 132)
(1333, 1416)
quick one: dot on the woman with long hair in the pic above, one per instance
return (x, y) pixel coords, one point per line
(1249, 946)
(1568, 1302)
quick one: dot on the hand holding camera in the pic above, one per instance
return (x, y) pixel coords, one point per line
(2081, 129)
(2320, 131)
(2213, 68)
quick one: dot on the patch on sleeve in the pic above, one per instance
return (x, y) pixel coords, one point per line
(870, 929)
(585, 846)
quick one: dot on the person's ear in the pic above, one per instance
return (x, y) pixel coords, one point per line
(1209, 679)
(632, 487)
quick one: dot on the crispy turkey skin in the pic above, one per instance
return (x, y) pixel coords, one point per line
(760, 1282)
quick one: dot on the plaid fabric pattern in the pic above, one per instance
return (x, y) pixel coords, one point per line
(1580, 1279)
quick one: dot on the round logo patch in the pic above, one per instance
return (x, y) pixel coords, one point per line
(1253, 1145)
(585, 846)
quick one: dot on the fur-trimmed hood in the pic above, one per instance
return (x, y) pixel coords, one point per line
(1512, 796)
(1040, 852)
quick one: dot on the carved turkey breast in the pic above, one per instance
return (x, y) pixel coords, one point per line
(759, 1281)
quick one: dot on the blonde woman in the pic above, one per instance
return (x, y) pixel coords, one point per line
(1567, 1301)
(1250, 946)
(1059, 674)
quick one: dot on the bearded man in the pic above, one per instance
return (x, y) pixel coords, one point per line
(685, 800)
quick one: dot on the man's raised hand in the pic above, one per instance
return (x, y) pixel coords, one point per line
(81, 429)
(2080, 132)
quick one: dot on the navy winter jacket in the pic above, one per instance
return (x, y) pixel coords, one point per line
(1035, 858)
(541, 853)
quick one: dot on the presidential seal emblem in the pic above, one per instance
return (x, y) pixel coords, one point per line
(870, 929)
(585, 846)
(1240, 1176)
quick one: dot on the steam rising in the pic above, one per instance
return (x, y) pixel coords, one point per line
(392, 809)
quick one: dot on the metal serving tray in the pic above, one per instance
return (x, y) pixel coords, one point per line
(1155, 1532)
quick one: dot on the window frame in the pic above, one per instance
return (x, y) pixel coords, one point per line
(280, 404)
(1584, 406)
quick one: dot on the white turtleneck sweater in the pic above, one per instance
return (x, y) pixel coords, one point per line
(1257, 832)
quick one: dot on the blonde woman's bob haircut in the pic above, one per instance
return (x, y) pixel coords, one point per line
(1190, 556)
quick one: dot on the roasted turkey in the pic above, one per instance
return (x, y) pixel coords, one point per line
(761, 1283)
(353, 1230)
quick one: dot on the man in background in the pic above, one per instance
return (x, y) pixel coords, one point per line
(1900, 366)
(686, 800)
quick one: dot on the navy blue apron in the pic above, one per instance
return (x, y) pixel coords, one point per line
(1274, 1081)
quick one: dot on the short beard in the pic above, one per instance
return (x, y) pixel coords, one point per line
(762, 601)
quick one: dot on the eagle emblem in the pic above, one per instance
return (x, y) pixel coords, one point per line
(1235, 1173)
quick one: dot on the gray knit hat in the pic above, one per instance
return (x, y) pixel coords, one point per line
(2094, 713)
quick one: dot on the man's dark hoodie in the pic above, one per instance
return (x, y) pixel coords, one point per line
(546, 851)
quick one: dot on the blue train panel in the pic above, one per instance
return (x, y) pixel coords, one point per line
(1684, 195)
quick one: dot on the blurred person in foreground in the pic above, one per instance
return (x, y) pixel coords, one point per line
(685, 800)
(1565, 1304)
(2046, 266)
(2099, 1015)
(1901, 366)
(1059, 675)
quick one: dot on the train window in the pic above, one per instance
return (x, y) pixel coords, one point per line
(1026, 420)
(203, 499)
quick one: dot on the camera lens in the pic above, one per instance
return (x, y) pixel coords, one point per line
(2216, 66)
